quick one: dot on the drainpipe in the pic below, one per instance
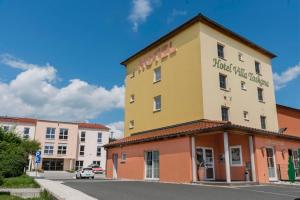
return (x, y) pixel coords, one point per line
(194, 171)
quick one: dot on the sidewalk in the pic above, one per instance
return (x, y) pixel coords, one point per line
(23, 192)
(61, 191)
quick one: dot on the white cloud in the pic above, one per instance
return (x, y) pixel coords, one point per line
(32, 93)
(175, 13)
(140, 11)
(290, 74)
(117, 128)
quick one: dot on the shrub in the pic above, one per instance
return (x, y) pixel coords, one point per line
(23, 181)
(1, 180)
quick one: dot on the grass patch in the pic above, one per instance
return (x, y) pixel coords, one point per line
(44, 196)
(23, 181)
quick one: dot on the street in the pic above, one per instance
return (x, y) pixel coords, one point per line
(134, 190)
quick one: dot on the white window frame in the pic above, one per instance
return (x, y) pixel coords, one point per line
(82, 132)
(123, 156)
(246, 115)
(97, 162)
(259, 67)
(262, 94)
(145, 166)
(260, 118)
(64, 133)
(48, 149)
(228, 119)
(226, 81)
(26, 135)
(80, 164)
(243, 85)
(81, 152)
(219, 44)
(155, 99)
(62, 149)
(99, 139)
(241, 156)
(131, 124)
(98, 148)
(155, 77)
(51, 133)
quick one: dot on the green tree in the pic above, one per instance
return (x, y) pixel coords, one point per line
(291, 170)
(14, 152)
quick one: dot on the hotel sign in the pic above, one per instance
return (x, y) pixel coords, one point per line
(239, 71)
(160, 53)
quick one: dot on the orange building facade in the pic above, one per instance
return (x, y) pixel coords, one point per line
(200, 106)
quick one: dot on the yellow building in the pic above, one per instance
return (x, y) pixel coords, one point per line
(200, 70)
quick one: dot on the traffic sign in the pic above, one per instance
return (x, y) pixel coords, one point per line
(38, 157)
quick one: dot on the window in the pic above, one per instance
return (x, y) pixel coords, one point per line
(222, 81)
(260, 94)
(62, 149)
(48, 149)
(131, 124)
(152, 164)
(157, 74)
(257, 67)
(96, 162)
(157, 103)
(295, 157)
(221, 51)
(236, 156)
(81, 150)
(132, 75)
(245, 113)
(98, 151)
(63, 134)
(6, 128)
(132, 98)
(243, 85)
(79, 164)
(26, 133)
(99, 138)
(224, 112)
(123, 156)
(50, 133)
(241, 57)
(263, 122)
(82, 136)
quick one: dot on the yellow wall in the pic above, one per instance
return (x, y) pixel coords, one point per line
(180, 87)
(190, 84)
(237, 99)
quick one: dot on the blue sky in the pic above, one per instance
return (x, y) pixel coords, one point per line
(44, 44)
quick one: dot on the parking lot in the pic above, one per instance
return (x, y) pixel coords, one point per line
(134, 190)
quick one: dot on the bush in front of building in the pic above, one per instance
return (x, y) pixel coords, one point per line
(291, 170)
(14, 152)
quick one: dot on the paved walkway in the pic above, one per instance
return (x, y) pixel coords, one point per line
(62, 192)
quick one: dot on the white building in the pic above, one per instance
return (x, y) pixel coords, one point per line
(92, 137)
(24, 127)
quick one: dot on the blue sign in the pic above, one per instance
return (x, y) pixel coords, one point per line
(38, 157)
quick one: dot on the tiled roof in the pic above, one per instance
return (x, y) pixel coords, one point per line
(170, 131)
(191, 128)
(92, 126)
(18, 120)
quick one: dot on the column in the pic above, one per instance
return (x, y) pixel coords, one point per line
(251, 148)
(226, 154)
(194, 167)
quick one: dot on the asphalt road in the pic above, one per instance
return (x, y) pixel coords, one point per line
(132, 190)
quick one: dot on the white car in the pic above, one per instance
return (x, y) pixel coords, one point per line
(85, 173)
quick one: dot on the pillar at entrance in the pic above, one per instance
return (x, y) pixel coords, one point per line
(251, 149)
(194, 167)
(226, 155)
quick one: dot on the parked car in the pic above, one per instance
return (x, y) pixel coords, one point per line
(97, 169)
(85, 173)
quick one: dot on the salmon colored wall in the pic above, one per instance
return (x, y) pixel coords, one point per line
(216, 142)
(175, 160)
(289, 118)
(281, 147)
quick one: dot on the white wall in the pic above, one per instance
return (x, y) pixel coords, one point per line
(19, 128)
(90, 151)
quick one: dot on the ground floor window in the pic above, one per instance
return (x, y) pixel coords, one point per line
(295, 157)
(95, 162)
(53, 164)
(236, 156)
(152, 164)
(79, 164)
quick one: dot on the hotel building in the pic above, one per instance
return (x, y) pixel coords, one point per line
(65, 145)
(200, 106)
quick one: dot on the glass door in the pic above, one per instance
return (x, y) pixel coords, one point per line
(271, 164)
(209, 163)
(152, 164)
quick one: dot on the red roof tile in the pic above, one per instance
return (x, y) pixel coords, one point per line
(18, 120)
(92, 126)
